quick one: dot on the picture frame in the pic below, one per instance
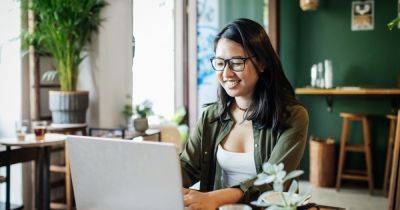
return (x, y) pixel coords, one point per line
(362, 15)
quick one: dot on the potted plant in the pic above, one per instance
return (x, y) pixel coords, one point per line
(391, 25)
(63, 29)
(277, 199)
(140, 123)
(127, 112)
(394, 22)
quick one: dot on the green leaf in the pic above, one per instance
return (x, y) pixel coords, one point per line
(293, 174)
(394, 22)
(293, 187)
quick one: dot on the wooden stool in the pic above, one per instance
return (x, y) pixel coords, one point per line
(65, 169)
(389, 151)
(361, 148)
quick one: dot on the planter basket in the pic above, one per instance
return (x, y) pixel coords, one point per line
(68, 107)
(322, 162)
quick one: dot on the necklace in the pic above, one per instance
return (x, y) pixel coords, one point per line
(241, 108)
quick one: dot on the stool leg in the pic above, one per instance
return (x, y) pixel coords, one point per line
(68, 184)
(342, 153)
(368, 155)
(389, 157)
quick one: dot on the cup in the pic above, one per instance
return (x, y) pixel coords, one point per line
(21, 129)
(235, 207)
(39, 128)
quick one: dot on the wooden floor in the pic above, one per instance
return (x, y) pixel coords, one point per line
(348, 198)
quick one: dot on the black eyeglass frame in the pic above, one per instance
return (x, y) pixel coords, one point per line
(228, 61)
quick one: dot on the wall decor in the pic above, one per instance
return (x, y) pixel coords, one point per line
(362, 15)
(398, 12)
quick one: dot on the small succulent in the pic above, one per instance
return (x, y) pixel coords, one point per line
(275, 174)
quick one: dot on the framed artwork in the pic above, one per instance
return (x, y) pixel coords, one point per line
(362, 15)
(398, 12)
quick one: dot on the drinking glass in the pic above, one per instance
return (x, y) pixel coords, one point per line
(21, 129)
(39, 128)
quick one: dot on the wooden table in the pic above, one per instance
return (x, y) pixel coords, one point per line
(68, 129)
(148, 132)
(391, 93)
(31, 149)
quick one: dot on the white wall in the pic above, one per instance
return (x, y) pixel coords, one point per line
(10, 86)
(110, 79)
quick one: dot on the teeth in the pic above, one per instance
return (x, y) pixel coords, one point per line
(231, 83)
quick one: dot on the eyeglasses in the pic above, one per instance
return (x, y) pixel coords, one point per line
(236, 64)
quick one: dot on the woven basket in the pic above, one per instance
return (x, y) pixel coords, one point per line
(306, 5)
(322, 162)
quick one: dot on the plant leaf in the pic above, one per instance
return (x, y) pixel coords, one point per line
(293, 174)
(266, 167)
(292, 189)
(278, 186)
(303, 199)
(263, 179)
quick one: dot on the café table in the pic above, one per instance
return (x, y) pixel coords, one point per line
(31, 149)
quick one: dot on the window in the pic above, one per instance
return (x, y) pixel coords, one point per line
(153, 63)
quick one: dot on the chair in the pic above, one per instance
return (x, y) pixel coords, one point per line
(359, 148)
(389, 151)
(394, 188)
(64, 168)
(171, 134)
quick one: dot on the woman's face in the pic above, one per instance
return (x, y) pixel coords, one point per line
(236, 84)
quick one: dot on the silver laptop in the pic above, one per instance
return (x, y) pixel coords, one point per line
(120, 174)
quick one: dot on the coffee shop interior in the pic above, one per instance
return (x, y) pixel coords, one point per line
(140, 71)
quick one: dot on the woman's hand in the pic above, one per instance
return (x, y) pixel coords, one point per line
(195, 200)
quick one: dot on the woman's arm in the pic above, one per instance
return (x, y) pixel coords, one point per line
(211, 200)
(191, 156)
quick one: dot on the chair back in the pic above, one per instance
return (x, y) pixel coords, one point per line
(171, 134)
(394, 189)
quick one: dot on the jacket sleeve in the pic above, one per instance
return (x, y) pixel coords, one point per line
(191, 155)
(288, 150)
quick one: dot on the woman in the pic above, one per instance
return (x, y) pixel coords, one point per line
(256, 120)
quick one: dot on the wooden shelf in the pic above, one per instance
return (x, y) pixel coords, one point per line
(386, 93)
(350, 91)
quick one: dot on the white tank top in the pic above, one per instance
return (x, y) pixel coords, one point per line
(236, 167)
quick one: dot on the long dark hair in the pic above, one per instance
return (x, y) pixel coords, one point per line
(273, 92)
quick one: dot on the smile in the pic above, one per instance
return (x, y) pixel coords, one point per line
(231, 83)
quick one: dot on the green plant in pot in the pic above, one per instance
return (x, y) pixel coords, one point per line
(395, 22)
(63, 29)
(144, 109)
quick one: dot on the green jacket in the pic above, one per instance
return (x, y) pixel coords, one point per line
(198, 158)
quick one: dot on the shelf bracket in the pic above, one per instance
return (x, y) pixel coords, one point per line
(329, 102)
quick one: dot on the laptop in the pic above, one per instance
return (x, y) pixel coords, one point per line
(121, 174)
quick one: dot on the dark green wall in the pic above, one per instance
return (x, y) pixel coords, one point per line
(360, 58)
(230, 10)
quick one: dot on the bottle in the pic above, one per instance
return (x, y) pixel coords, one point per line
(320, 76)
(313, 75)
(328, 74)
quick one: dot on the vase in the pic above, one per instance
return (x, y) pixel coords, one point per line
(141, 124)
(68, 107)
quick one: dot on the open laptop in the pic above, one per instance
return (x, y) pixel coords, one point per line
(120, 174)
